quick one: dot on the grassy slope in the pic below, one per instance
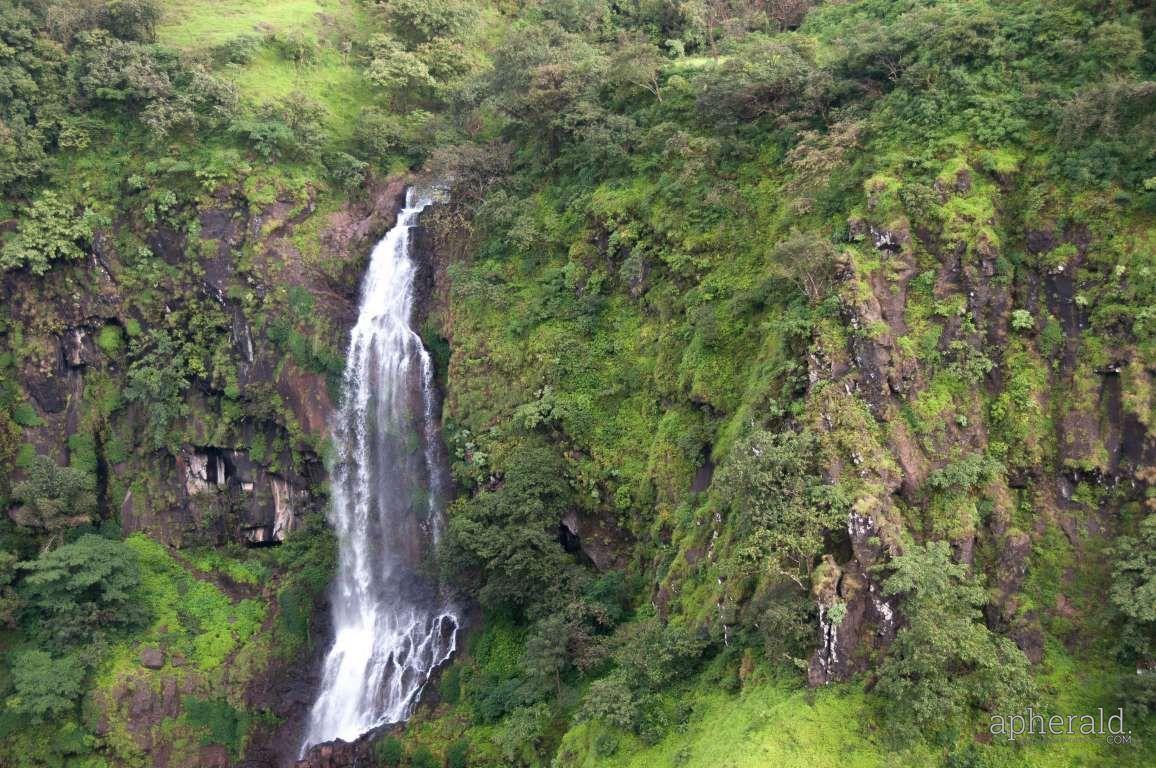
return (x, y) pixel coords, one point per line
(330, 79)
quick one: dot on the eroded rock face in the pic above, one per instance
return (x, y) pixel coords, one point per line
(247, 464)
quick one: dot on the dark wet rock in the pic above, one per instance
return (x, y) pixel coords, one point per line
(600, 539)
(152, 658)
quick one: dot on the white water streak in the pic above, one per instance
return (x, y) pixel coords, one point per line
(391, 627)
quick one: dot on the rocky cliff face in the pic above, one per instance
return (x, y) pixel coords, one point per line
(241, 460)
(211, 485)
(1059, 418)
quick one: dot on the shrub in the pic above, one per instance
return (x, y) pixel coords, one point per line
(110, 340)
(55, 498)
(773, 484)
(458, 754)
(611, 700)
(218, 721)
(511, 532)
(1022, 320)
(82, 589)
(50, 230)
(389, 751)
(241, 49)
(295, 46)
(46, 687)
(1133, 591)
(945, 663)
(422, 757)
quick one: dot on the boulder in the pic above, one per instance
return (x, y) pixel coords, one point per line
(152, 658)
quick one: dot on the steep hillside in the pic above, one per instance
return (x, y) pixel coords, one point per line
(797, 357)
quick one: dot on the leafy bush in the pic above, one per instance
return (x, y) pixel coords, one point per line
(422, 757)
(46, 687)
(218, 722)
(458, 754)
(290, 128)
(511, 533)
(521, 733)
(1133, 591)
(55, 498)
(82, 589)
(49, 231)
(110, 340)
(295, 46)
(389, 751)
(773, 484)
(1022, 320)
(418, 21)
(241, 49)
(945, 663)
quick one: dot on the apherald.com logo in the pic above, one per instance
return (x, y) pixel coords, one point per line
(1032, 723)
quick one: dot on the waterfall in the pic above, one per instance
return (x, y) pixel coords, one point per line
(391, 625)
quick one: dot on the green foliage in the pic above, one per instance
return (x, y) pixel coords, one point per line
(239, 50)
(110, 340)
(152, 82)
(510, 534)
(521, 734)
(663, 237)
(419, 21)
(458, 754)
(1022, 320)
(9, 600)
(290, 128)
(50, 230)
(945, 662)
(397, 71)
(82, 589)
(55, 498)
(773, 484)
(45, 687)
(218, 722)
(422, 757)
(389, 750)
(191, 616)
(158, 378)
(1133, 591)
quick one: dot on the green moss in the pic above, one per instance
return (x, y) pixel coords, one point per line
(110, 340)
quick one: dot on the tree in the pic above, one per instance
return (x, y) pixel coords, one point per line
(287, 128)
(131, 19)
(419, 21)
(637, 62)
(397, 71)
(50, 230)
(422, 757)
(389, 751)
(158, 378)
(521, 733)
(82, 588)
(32, 84)
(9, 600)
(55, 498)
(945, 663)
(458, 754)
(1133, 590)
(46, 687)
(545, 657)
(611, 700)
(510, 534)
(772, 482)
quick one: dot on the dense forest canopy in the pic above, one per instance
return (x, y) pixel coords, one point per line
(798, 360)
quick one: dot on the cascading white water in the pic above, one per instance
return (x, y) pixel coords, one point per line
(391, 626)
